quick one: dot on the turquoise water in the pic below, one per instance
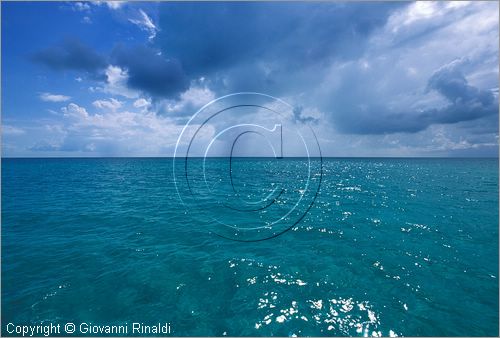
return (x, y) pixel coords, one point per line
(390, 247)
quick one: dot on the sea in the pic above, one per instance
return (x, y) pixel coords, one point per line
(252, 247)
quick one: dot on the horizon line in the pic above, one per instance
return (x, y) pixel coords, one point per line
(249, 157)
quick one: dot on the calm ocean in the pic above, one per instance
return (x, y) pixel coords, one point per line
(390, 247)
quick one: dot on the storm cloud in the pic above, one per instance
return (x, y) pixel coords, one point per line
(209, 37)
(465, 103)
(71, 54)
(150, 72)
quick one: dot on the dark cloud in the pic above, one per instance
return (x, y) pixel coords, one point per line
(150, 72)
(285, 48)
(71, 54)
(214, 37)
(485, 126)
(238, 46)
(466, 103)
(299, 116)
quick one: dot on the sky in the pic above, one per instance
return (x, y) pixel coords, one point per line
(370, 78)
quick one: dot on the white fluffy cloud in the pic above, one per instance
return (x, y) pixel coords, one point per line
(115, 4)
(111, 4)
(117, 133)
(48, 97)
(141, 103)
(75, 111)
(116, 83)
(195, 97)
(81, 6)
(111, 104)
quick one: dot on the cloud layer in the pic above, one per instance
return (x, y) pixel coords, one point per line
(407, 78)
